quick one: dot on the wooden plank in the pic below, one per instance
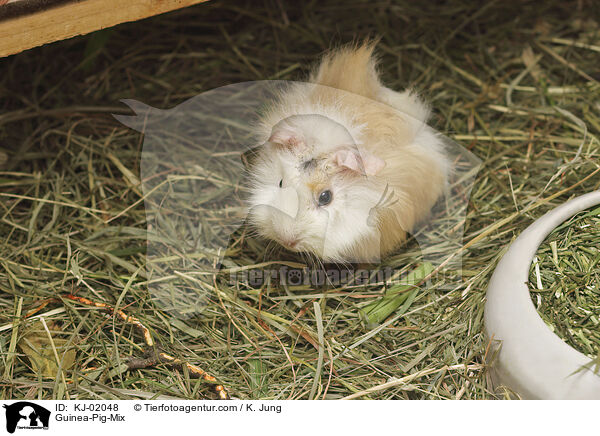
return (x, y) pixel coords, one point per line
(72, 19)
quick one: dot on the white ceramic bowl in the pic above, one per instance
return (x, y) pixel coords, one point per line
(531, 359)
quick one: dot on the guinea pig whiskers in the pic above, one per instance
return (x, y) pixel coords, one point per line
(314, 261)
(305, 256)
(268, 250)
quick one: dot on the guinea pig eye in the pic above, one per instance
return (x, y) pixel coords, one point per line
(281, 183)
(325, 198)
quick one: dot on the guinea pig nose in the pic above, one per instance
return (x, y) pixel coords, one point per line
(290, 243)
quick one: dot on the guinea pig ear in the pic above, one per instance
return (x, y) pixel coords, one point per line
(286, 135)
(361, 162)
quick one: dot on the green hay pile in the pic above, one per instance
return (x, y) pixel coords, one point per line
(516, 84)
(566, 282)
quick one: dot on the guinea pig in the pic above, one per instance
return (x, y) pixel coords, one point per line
(346, 166)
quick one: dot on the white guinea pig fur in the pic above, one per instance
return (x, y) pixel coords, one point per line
(366, 144)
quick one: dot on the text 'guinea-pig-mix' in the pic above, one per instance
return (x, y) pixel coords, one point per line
(347, 166)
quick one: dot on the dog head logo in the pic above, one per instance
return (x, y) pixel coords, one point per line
(24, 414)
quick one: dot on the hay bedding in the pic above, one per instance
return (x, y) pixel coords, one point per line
(566, 284)
(72, 216)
